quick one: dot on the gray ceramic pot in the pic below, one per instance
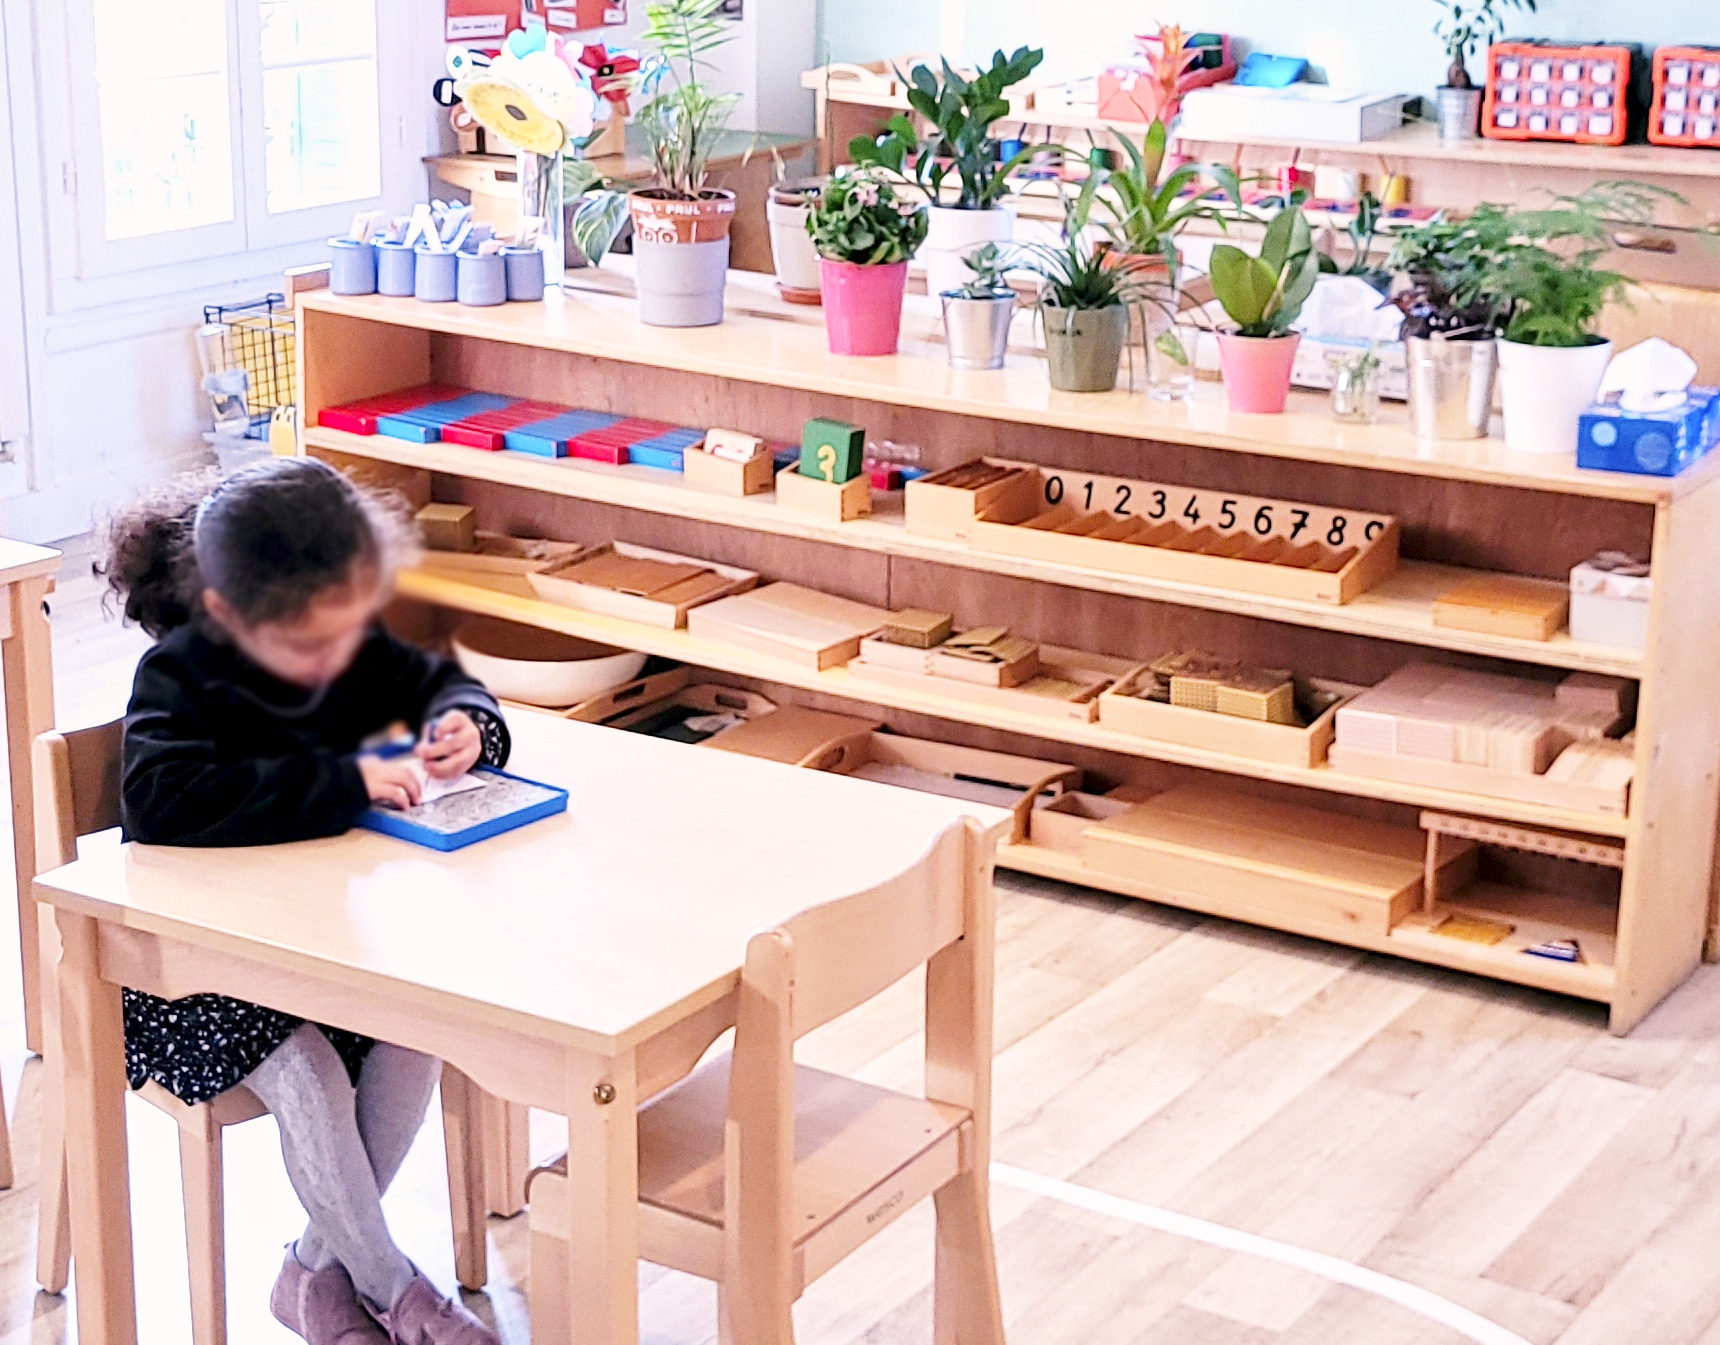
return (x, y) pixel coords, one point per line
(976, 331)
(1084, 346)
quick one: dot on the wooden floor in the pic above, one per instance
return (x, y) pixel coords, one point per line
(1478, 1147)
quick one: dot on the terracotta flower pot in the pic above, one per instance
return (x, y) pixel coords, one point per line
(681, 252)
(1257, 370)
(863, 306)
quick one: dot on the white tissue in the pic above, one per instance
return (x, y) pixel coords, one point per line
(1343, 306)
(1649, 377)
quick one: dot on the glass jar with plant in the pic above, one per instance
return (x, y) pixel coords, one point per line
(958, 151)
(1464, 26)
(977, 315)
(1263, 295)
(865, 228)
(681, 225)
(1552, 288)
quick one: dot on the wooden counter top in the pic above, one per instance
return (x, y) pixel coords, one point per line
(766, 341)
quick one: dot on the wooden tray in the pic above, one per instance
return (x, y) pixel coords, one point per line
(1215, 841)
(945, 504)
(1068, 685)
(495, 553)
(707, 698)
(791, 734)
(1274, 547)
(1062, 824)
(654, 588)
(816, 630)
(1524, 788)
(1282, 744)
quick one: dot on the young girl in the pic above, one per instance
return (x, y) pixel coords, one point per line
(244, 728)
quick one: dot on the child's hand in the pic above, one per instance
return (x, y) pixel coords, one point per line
(393, 782)
(451, 746)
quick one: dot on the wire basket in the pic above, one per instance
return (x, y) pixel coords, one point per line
(262, 339)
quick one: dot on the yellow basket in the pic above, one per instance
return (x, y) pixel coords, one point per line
(262, 340)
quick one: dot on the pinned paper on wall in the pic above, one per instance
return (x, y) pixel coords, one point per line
(577, 16)
(481, 20)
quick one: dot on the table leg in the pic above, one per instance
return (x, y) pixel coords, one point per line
(27, 670)
(93, 1036)
(603, 1186)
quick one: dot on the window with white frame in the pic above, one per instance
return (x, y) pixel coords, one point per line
(211, 127)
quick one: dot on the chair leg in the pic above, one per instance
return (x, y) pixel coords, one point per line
(463, 1137)
(507, 1155)
(548, 1286)
(200, 1171)
(53, 1208)
(967, 1307)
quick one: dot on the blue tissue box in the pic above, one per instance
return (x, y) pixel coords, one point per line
(1660, 443)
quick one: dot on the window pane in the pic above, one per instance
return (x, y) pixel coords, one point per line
(166, 127)
(322, 142)
(321, 119)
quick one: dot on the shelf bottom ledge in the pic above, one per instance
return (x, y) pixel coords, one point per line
(1590, 981)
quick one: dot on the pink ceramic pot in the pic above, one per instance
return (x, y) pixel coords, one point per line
(1257, 370)
(863, 306)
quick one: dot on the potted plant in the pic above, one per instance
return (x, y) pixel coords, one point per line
(1085, 297)
(977, 316)
(1553, 290)
(680, 225)
(1464, 26)
(1450, 321)
(791, 249)
(958, 145)
(865, 231)
(1263, 295)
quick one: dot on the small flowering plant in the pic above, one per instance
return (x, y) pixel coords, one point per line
(864, 218)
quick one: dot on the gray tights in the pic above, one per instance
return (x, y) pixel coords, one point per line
(343, 1147)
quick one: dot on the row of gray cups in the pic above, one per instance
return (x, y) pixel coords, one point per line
(415, 271)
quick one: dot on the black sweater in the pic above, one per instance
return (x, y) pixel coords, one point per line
(218, 752)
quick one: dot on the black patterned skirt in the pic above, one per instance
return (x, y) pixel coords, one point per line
(199, 1047)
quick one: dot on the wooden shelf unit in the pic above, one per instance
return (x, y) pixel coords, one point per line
(1464, 507)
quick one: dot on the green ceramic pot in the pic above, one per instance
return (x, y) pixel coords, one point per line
(1084, 346)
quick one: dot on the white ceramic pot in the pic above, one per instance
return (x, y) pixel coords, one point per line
(797, 270)
(1545, 390)
(540, 667)
(952, 234)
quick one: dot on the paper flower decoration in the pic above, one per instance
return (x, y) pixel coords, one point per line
(507, 111)
(535, 95)
(609, 71)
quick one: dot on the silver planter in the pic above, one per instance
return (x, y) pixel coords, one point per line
(1459, 113)
(977, 330)
(1451, 386)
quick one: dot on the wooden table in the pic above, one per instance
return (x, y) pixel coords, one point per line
(27, 670)
(575, 965)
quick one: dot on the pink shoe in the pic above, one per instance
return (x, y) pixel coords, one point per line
(322, 1306)
(421, 1316)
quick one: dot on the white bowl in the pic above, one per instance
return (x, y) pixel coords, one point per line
(541, 667)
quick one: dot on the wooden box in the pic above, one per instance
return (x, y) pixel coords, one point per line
(492, 553)
(990, 657)
(1610, 794)
(813, 629)
(832, 451)
(996, 778)
(699, 698)
(636, 583)
(792, 735)
(725, 476)
(1067, 685)
(1216, 846)
(448, 527)
(832, 503)
(1281, 744)
(946, 503)
(1522, 609)
(1273, 547)
(1061, 825)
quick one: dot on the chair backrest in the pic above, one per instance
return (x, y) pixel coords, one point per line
(77, 789)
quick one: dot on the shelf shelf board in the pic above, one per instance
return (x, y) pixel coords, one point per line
(766, 341)
(1595, 981)
(1400, 609)
(511, 598)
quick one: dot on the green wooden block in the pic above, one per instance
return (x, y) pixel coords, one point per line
(832, 451)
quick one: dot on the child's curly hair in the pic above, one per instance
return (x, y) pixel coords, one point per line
(268, 539)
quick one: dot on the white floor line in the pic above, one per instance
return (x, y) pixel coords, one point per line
(1411, 1296)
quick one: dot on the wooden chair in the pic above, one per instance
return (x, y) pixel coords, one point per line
(77, 775)
(762, 1175)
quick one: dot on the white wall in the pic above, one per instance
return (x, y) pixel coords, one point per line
(1382, 44)
(110, 365)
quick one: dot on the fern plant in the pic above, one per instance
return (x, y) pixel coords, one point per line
(681, 113)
